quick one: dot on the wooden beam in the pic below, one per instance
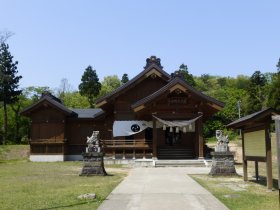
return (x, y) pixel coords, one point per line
(257, 170)
(277, 131)
(200, 138)
(101, 103)
(153, 71)
(245, 171)
(139, 108)
(177, 86)
(269, 179)
(154, 138)
(215, 106)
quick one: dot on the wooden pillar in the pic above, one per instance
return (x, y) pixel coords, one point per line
(144, 154)
(277, 131)
(200, 138)
(123, 154)
(154, 138)
(245, 171)
(114, 154)
(133, 156)
(257, 170)
(269, 180)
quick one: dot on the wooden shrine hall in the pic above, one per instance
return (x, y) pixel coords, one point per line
(154, 115)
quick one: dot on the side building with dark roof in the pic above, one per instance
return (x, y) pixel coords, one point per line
(152, 116)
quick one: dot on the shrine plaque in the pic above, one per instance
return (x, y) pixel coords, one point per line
(254, 143)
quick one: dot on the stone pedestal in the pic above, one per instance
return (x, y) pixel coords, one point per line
(222, 164)
(93, 164)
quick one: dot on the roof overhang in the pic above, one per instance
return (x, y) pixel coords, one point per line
(260, 117)
(174, 85)
(151, 71)
(47, 101)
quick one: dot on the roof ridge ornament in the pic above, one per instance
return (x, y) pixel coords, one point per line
(153, 60)
(49, 94)
(178, 74)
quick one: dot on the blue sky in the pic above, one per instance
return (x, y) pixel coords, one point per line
(55, 39)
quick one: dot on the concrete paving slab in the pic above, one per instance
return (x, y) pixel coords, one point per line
(160, 189)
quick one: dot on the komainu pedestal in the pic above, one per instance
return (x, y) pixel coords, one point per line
(222, 164)
(93, 157)
(93, 164)
(222, 158)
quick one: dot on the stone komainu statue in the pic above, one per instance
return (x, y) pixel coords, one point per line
(94, 142)
(221, 138)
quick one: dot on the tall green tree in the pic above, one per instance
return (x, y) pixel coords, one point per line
(256, 92)
(278, 66)
(125, 78)
(274, 90)
(109, 84)
(9, 82)
(75, 100)
(183, 69)
(90, 85)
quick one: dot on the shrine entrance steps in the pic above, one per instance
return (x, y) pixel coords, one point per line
(181, 163)
(175, 153)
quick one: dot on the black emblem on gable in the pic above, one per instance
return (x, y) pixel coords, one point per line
(135, 128)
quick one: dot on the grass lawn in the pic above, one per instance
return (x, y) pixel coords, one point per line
(237, 194)
(29, 185)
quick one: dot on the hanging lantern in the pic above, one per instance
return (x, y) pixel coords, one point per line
(184, 130)
(164, 127)
(171, 129)
(177, 129)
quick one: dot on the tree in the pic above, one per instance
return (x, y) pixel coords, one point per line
(8, 82)
(278, 66)
(35, 93)
(183, 69)
(109, 84)
(65, 87)
(256, 92)
(124, 78)
(75, 100)
(4, 35)
(274, 90)
(90, 85)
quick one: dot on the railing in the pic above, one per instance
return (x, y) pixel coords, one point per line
(47, 141)
(136, 148)
(47, 146)
(135, 143)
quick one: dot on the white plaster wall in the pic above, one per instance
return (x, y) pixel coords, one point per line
(46, 158)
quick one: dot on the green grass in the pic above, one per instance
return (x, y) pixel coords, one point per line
(29, 185)
(13, 152)
(237, 194)
(255, 194)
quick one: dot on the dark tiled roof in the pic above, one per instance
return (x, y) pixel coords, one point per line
(252, 117)
(174, 81)
(88, 113)
(133, 81)
(52, 101)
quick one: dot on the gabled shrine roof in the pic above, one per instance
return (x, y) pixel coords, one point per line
(153, 66)
(173, 84)
(55, 102)
(252, 118)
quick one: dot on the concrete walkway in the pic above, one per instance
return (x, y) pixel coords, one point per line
(161, 189)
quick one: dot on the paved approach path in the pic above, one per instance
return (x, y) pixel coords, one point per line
(161, 189)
